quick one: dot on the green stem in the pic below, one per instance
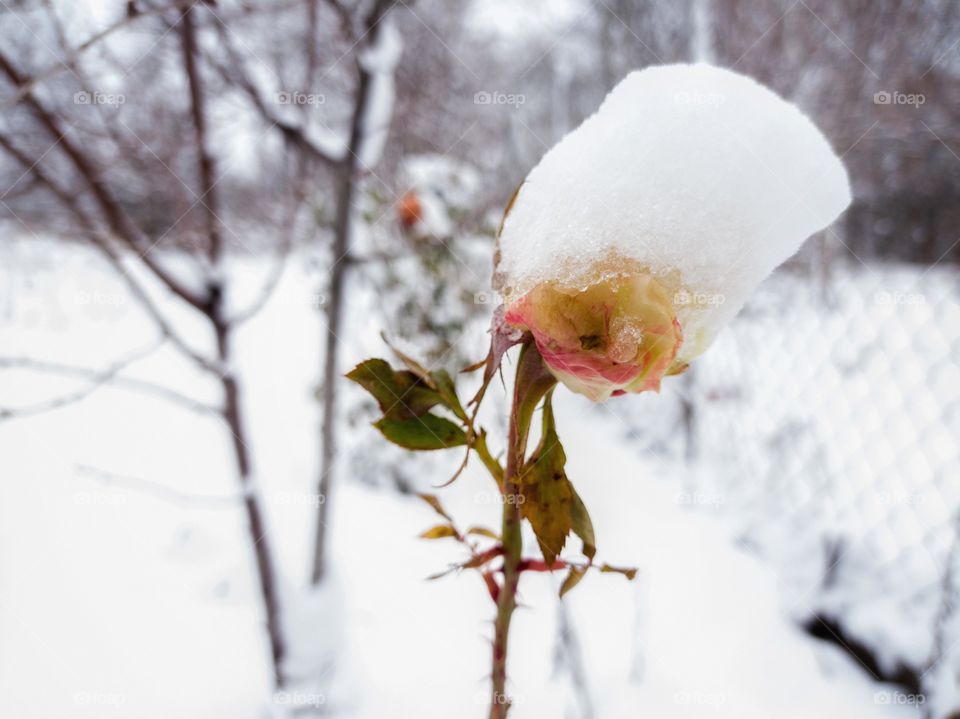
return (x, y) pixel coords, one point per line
(533, 381)
(489, 461)
(507, 600)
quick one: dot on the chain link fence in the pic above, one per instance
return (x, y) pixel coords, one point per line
(824, 427)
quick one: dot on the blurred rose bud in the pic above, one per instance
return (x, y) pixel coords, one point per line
(409, 210)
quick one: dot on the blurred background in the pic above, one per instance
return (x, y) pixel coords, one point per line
(211, 209)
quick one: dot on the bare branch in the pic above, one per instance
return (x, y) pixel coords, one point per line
(161, 491)
(103, 244)
(208, 194)
(235, 74)
(98, 378)
(114, 214)
(69, 61)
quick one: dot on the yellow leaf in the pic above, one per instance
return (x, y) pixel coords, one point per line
(439, 532)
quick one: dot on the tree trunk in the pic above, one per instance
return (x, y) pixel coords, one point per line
(256, 522)
(334, 313)
(346, 179)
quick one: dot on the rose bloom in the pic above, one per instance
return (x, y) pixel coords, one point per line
(641, 234)
(614, 333)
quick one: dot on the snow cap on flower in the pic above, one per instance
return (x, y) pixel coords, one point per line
(641, 234)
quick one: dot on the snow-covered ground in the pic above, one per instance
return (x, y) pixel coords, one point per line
(125, 578)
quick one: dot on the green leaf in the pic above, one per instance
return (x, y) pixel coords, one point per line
(400, 394)
(440, 531)
(447, 390)
(573, 579)
(422, 433)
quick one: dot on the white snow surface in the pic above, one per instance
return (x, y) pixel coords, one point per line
(135, 606)
(684, 168)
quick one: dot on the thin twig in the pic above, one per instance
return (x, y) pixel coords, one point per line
(160, 491)
(98, 378)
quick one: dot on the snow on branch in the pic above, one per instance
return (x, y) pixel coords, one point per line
(379, 60)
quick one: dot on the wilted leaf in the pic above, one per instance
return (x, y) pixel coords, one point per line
(548, 496)
(492, 587)
(573, 579)
(628, 572)
(474, 367)
(582, 526)
(502, 338)
(418, 369)
(400, 394)
(422, 433)
(506, 211)
(532, 384)
(483, 532)
(434, 502)
(480, 559)
(439, 532)
(444, 573)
